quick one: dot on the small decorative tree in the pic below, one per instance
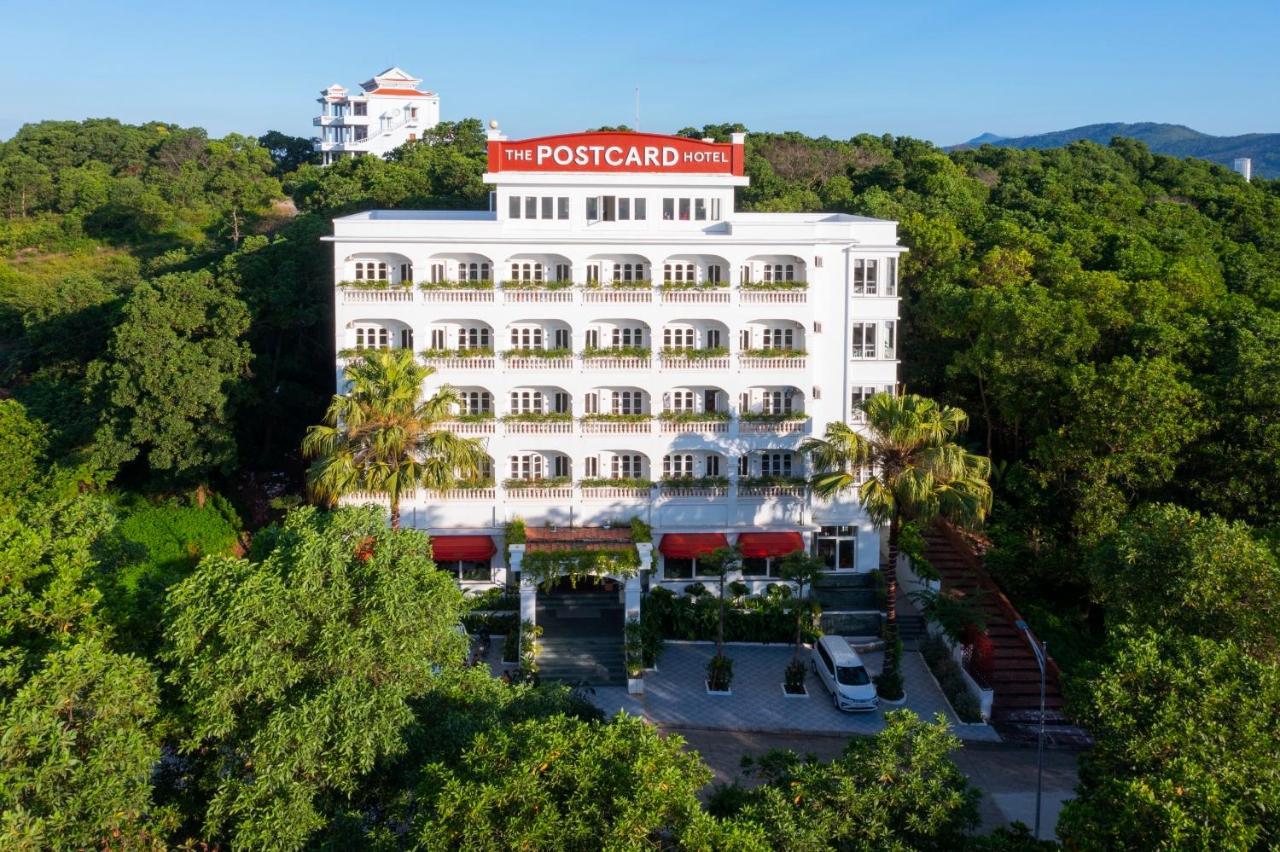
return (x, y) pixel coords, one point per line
(720, 563)
(802, 569)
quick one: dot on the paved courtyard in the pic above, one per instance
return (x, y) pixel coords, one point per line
(675, 695)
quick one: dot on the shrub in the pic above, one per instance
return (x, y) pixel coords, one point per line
(762, 618)
(719, 673)
(937, 655)
(695, 590)
(793, 678)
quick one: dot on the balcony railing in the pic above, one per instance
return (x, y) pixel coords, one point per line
(796, 425)
(466, 494)
(461, 294)
(770, 487)
(359, 296)
(460, 360)
(471, 427)
(625, 425)
(592, 295)
(540, 492)
(673, 425)
(695, 359)
(515, 424)
(787, 361)
(598, 361)
(516, 360)
(601, 492)
(773, 297)
(700, 296)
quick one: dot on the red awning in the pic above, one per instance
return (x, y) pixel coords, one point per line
(761, 544)
(691, 545)
(453, 548)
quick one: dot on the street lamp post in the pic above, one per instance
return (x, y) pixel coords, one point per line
(1037, 648)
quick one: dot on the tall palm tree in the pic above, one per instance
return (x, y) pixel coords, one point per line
(382, 436)
(917, 472)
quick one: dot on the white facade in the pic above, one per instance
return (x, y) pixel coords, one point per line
(791, 319)
(388, 112)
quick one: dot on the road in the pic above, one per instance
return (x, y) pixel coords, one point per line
(1006, 775)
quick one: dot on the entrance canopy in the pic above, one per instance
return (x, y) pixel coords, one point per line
(691, 545)
(761, 544)
(468, 548)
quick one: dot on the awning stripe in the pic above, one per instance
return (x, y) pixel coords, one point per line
(691, 545)
(453, 548)
(761, 544)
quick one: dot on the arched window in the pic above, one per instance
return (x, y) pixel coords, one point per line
(677, 465)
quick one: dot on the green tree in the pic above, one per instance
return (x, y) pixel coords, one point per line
(77, 751)
(1129, 421)
(22, 452)
(916, 472)
(169, 377)
(50, 553)
(896, 790)
(381, 436)
(1186, 732)
(561, 783)
(720, 563)
(1170, 569)
(803, 569)
(287, 152)
(239, 181)
(298, 666)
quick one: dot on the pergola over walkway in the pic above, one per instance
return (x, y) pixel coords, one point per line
(552, 539)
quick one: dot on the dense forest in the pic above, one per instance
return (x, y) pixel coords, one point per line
(1109, 318)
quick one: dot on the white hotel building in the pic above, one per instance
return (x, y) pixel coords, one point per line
(389, 111)
(629, 345)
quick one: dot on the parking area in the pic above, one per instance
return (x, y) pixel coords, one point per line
(675, 695)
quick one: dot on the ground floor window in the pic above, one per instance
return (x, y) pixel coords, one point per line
(467, 569)
(761, 566)
(837, 546)
(678, 567)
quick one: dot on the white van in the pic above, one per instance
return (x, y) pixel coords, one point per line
(841, 670)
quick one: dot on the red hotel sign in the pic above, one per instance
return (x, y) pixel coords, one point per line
(608, 151)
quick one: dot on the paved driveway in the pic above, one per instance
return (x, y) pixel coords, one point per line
(676, 695)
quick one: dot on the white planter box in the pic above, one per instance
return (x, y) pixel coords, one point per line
(635, 686)
(786, 694)
(711, 691)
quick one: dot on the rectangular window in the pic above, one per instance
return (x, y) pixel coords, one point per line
(713, 273)
(609, 208)
(715, 209)
(593, 273)
(437, 338)
(625, 466)
(359, 108)
(713, 465)
(677, 465)
(624, 208)
(775, 464)
(627, 402)
(562, 338)
(560, 402)
(591, 403)
(682, 401)
(744, 273)
(563, 272)
(890, 339)
(891, 277)
(864, 277)
(639, 209)
(593, 209)
(837, 547)
(700, 208)
(562, 207)
(591, 467)
(744, 465)
(668, 209)
(677, 568)
(755, 566)
(684, 210)
(713, 338)
(560, 465)
(531, 207)
(526, 337)
(864, 340)
(678, 338)
(547, 202)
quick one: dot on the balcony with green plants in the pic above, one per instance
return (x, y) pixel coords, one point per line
(694, 486)
(539, 423)
(617, 357)
(773, 423)
(695, 421)
(538, 359)
(617, 424)
(707, 358)
(615, 487)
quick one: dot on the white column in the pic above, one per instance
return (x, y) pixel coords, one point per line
(528, 588)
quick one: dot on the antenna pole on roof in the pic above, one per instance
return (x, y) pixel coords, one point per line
(637, 108)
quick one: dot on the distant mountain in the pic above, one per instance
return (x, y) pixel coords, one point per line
(1173, 139)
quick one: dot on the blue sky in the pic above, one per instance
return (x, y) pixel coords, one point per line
(939, 71)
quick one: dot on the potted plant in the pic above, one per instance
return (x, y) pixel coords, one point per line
(633, 647)
(719, 563)
(802, 569)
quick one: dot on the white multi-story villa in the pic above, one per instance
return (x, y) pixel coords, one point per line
(627, 344)
(388, 112)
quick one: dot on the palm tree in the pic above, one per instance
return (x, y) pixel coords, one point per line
(917, 472)
(382, 436)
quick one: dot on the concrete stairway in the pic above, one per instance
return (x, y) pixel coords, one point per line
(850, 604)
(1015, 676)
(593, 660)
(582, 638)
